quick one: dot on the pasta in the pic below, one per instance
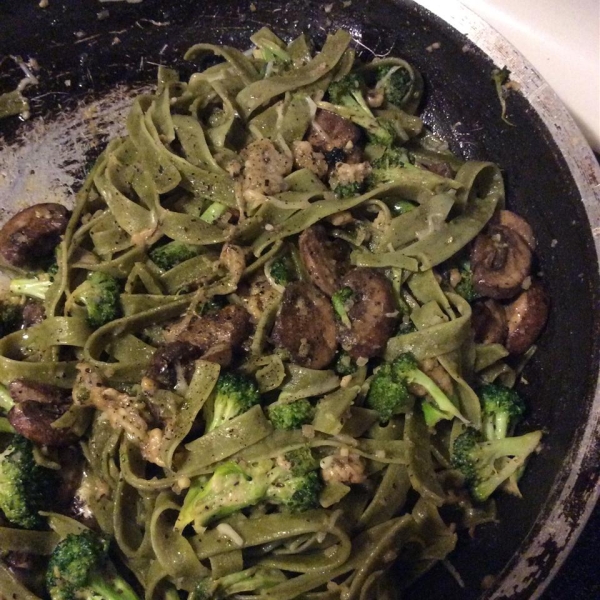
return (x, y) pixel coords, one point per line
(225, 219)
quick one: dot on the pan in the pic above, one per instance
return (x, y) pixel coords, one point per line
(94, 56)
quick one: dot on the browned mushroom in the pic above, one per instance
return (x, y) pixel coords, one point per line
(37, 406)
(33, 233)
(305, 326)
(489, 322)
(373, 315)
(526, 316)
(330, 132)
(325, 260)
(170, 358)
(71, 461)
(518, 224)
(28, 569)
(501, 261)
(33, 314)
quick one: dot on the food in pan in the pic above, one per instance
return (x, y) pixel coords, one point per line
(272, 349)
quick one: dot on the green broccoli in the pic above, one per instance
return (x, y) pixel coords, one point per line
(400, 207)
(347, 190)
(11, 315)
(396, 83)
(343, 364)
(6, 401)
(349, 91)
(432, 414)
(230, 489)
(405, 369)
(30, 287)
(342, 302)
(465, 287)
(391, 158)
(501, 409)
(291, 415)
(255, 579)
(234, 394)
(79, 568)
(100, 294)
(25, 487)
(233, 487)
(300, 461)
(170, 255)
(406, 327)
(282, 270)
(387, 396)
(486, 465)
(210, 215)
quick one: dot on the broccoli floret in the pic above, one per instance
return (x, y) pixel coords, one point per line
(342, 302)
(235, 394)
(405, 369)
(210, 215)
(100, 294)
(465, 287)
(282, 271)
(349, 91)
(32, 287)
(348, 190)
(392, 157)
(343, 364)
(79, 568)
(501, 409)
(486, 465)
(233, 487)
(432, 414)
(296, 493)
(24, 485)
(170, 255)
(291, 415)
(230, 489)
(300, 461)
(386, 395)
(255, 579)
(11, 315)
(396, 83)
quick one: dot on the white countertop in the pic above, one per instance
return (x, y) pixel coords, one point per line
(562, 41)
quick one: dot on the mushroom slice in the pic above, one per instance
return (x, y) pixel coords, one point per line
(305, 326)
(518, 224)
(33, 233)
(325, 260)
(526, 316)
(170, 360)
(33, 420)
(489, 322)
(501, 261)
(330, 131)
(373, 314)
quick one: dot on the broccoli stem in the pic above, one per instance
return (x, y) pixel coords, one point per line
(442, 402)
(114, 589)
(33, 288)
(213, 212)
(5, 426)
(6, 401)
(497, 426)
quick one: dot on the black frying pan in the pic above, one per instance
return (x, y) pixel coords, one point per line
(72, 43)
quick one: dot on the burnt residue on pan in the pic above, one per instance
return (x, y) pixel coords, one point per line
(84, 56)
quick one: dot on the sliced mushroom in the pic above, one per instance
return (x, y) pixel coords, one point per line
(33, 314)
(305, 326)
(37, 406)
(325, 260)
(33, 233)
(71, 461)
(170, 358)
(518, 224)
(489, 322)
(526, 316)
(229, 325)
(373, 314)
(501, 261)
(433, 368)
(330, 131)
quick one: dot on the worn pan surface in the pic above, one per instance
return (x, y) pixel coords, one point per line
(89, 63)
